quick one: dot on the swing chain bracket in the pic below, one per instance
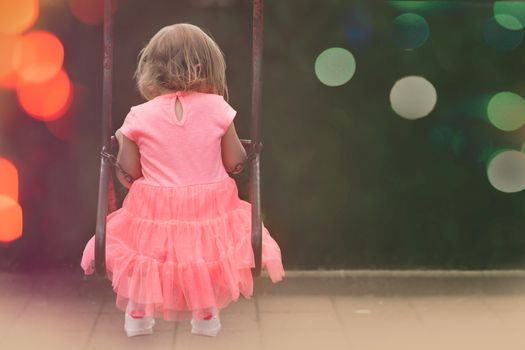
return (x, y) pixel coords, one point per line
(255, 150)
(113, 161)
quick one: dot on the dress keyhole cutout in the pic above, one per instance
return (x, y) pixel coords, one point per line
(178, 110)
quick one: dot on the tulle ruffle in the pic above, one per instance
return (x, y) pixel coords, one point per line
(178, 252)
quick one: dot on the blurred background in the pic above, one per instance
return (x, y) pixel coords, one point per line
(393, 130)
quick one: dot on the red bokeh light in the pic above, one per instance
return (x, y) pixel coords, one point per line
(47, 100)
(38, 56)
(90, 11)
(10, 219)
(8, 179)
(16, 16)
(7, 67)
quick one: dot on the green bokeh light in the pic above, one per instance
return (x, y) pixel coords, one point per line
(500, 37)
(335, 66)
(506, 111)
(514, 9)
(508, 22)
(410, 31)
(423, 6)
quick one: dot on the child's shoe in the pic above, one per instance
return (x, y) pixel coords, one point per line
(136, 324)
(210, 325)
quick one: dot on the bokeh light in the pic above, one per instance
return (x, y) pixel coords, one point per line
(16, 16)
(47, 100)
(90, 11)
(7, 66)
(38, 56)
(508, 22)
(8, 179)
(423, 6)
(500, 37)
(10, 219)
(335, 66)
(506, 111)
(513, 9)
(413, 97)
(410, 31)
(506, 171)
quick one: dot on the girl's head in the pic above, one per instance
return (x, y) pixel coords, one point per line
(181, 57)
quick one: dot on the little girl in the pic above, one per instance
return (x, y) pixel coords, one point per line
(180, 246)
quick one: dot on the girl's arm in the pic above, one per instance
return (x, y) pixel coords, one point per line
(233, 152)
(129, 159)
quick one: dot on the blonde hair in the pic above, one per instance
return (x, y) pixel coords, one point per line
(181, 57)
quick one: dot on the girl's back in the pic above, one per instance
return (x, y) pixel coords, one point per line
(180, 149)
(180, 246)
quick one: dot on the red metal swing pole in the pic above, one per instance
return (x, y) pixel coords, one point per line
(254, 185)
(105, 189)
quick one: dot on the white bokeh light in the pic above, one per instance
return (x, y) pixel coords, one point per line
(506, 171)
(413, 97)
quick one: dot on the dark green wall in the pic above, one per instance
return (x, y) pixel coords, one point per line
(346, 182)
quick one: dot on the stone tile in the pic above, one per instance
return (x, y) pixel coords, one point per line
(53, 321)
(300, 320)
(225, 340)
(512, 319)
(242, 305)
(115, 323)
(438, 302)
(245, 321)
(109, 306)
(162, 325)
(286, 339)
(7, 320)
(506, 303)
(456, 313)
(44, 339)
(59, 310)
(375, 311)
(239, 321)
(402, 336)
(54, 303)
(437, 338)
(118, 340)
(386, 335)
(295, 303)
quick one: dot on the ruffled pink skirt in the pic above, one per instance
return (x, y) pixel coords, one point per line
(178, 252)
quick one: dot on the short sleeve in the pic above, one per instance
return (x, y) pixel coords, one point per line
(130, 127)
(227, 114)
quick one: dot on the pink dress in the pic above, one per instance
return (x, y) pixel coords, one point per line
(181, 243)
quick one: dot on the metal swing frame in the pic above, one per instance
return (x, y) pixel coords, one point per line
(106, 191)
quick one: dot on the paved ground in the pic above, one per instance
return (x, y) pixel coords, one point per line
(362, 310)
